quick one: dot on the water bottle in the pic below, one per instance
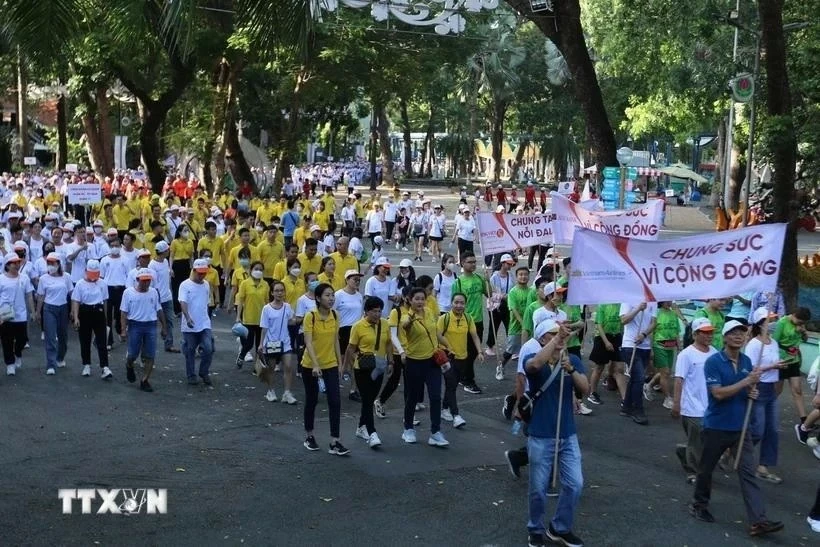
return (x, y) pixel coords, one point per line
(321, 385)
(516, 428)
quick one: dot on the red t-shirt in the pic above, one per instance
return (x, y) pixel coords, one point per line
(501, 196)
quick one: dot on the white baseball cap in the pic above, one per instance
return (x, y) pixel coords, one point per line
(732, 325)
(762, 313)
(382, 261)
(405, 263)
(702, 323)
(350, 273)
(201, 265)
(508, 258)
(546, 326)
(162, 246)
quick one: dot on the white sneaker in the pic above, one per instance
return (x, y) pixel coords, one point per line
(361, 432)
(814, 523)
(86, 370)
(647, 393)
(584, 410)
(42, 336)
(50, 372)
(27, 346)
(458, 421)
(60, 364)
(437, 439)
(514, 356)
(106, 373)
(667, 403)
(420, 406)
(11, 370)
(435, 260)
(404, 248)
(409, 436)
(489, 352)
(271, 396)
(397, 246)
(18, 362)
(288, 398)
(499, 373)
(446, 414)
(248, 357)
(374, 440)
(813, 442)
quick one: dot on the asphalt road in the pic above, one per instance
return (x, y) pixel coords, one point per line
(236, 471)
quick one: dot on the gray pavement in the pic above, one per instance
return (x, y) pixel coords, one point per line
(236, 471)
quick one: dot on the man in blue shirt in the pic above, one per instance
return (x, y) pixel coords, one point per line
(730, 381)
(290, 221)
(546, 368)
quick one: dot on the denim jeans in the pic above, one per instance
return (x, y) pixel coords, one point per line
(764, 423)
(634, 389)
(142, 336)
(541, 452)
(55, 330)
(192, 340)
(168, 310)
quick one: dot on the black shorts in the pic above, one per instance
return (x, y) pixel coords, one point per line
(434, 238)
(792, 370)
(600, 355)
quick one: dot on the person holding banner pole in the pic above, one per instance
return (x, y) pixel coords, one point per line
(550, 429)
(639, 324)
(730, 380)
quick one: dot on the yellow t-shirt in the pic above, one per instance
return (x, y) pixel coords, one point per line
(182, 249)
(458, 330)
(309, 265)
(325, 337)
(300, 235)
(233, 256)
(265, 212)
(215, 246)
(337, 282)
(344, 263)
(432, 305)
(270, 254)
(122, 216)
(212, 279)
(393, 320)
(293, 289)
(363, 336)
(237, 277)
(253, 295)
(321, 219)
(420, 342)
(330, 203)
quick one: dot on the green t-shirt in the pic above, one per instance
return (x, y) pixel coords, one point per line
(786, 336)
(717, 320)
(532, 296)
(474, 287)
(667, 325)
(573, 316)
(608, 316)
(517, 300)
(531, 307)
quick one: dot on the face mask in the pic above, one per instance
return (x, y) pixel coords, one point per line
(313, 284)
(207, 259)
(52, 268)
(244, 262)
(186, 234)
(295, 272)
(115, 251)
(453, 267)
(256, 274)
(405, 275)
(259, 228)
(98, 230)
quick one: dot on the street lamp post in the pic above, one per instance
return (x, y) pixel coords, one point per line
(624, 155)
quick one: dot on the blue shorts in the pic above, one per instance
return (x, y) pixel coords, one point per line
(142, 337)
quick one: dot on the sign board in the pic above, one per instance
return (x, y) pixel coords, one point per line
(566, 188)
(29, 160)
(71, 168)
(84, 194)
(743, 88)
(670, 193)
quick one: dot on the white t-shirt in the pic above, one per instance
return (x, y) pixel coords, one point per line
(530, 347)
(542, 314)
(90, 293)
(374, 221)
(78, 264)
(35, 248)
(638, 325)
(770, 356)
(196, 296)
(276, 321)
(465, 229)
(443, 287)
(129, 257)
(689, 367)
(349, 306)
(140, 306)
(390, 211)
(383, 289)
(355, 247)
(162, 278)
(13, 292)
(437, 224)
(303, 305)
(55, 289)
(502, 284)
(114, 271)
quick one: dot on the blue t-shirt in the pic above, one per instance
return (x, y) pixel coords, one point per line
(726, 414)
(290, 221)
(546, 408)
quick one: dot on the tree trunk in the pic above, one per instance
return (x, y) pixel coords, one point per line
(288, 144)
(22, 110)
(563, 27)
(784, 144)
(736, 175)
(234, 157)
(714, 199)
(408, 144)
(499, 111)
(100, 152)
(519, 157)
(215, 147)
(383, 127)
(429, 153)
(62, 133)
(104, 126)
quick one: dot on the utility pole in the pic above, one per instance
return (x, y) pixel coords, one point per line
(731, 125)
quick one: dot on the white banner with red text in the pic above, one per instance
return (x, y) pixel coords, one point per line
(504, 233)
(610, 269)
(642, 222)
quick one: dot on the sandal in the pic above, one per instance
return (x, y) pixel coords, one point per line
(769, 477)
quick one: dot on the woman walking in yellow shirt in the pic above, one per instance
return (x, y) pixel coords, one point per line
(252, 296)
(419, 326)
(329, 276)
(181, 259)
(322, 359)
